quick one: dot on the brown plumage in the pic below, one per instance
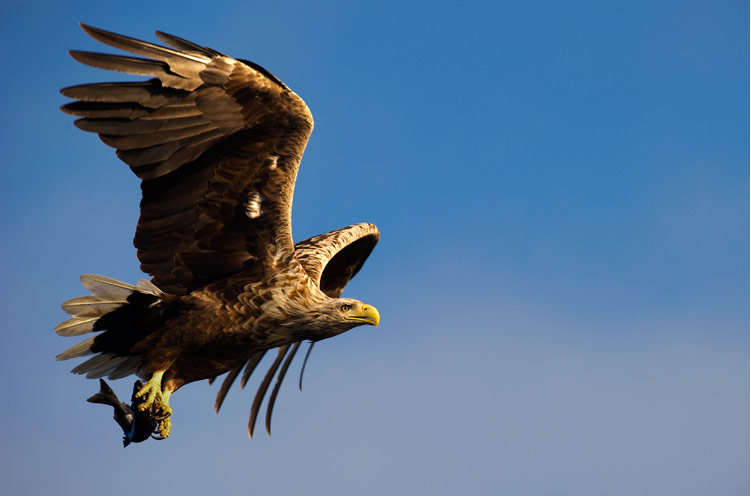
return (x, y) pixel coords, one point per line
(216, 142)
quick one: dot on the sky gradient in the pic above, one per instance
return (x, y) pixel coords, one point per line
(562, 276)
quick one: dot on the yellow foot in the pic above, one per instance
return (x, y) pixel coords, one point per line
(162, 412)
(165, 425)
(156, 402)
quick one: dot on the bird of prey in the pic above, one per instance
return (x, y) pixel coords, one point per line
(216, 143)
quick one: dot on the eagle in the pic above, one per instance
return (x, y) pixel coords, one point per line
(216, 143)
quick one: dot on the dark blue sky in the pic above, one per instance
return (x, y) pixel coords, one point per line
(562, 192)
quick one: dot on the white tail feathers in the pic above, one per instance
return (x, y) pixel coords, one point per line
(78, 350)
(147, 287)
(106, 287)
(76, 326)
(125, 368)
(107, 364)
(109, 295)
(90, 306)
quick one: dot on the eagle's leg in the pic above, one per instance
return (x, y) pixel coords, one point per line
(165, 424)
(154, 396)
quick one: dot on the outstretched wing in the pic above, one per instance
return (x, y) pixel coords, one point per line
(217, 143)
(333, 258)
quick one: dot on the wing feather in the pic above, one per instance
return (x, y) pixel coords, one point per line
(184, 45)
(126, 64)
(305, 363)
(250, 367)
(278, 384)
(333, 258)
(112, 127)
(206, 134)
(226, 385)
(264, 386)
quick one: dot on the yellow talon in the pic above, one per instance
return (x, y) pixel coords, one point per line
(157, 403)
(165, 411)
(164, 427)
(152, 390)
(163, 408)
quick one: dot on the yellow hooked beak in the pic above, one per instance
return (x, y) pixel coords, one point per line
(368, 315)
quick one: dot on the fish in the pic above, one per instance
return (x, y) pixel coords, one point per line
(137, 425)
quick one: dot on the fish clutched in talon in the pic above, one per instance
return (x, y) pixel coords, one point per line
(163, 428)
(152, 399)
(155, 399)
(137, 425)
(162, 413)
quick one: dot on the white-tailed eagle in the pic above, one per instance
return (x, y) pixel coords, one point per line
(216, 142)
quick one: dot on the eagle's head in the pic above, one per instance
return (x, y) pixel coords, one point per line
(355, 312)
(337, 315)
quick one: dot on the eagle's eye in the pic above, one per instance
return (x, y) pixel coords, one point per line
(346, 307)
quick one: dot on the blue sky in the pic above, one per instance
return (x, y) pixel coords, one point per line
(562, 191)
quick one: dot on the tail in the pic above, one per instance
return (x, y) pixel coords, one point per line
(104, 396)
(124, 312)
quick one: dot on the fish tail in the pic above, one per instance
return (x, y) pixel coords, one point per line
(105, 395)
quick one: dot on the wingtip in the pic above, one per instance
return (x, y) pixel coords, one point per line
(77, 123)
(104, 36)
(76, 54)
(268, 421)
(66, 109)
(88, 29)
(79, 55)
